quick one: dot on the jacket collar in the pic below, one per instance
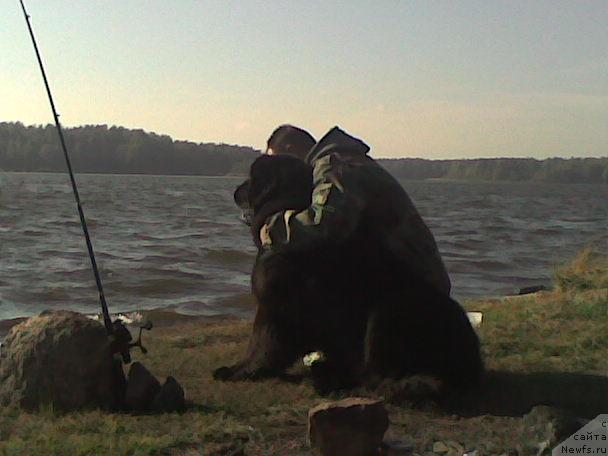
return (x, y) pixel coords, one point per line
(336, 140)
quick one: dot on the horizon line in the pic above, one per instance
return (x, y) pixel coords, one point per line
(174, 139)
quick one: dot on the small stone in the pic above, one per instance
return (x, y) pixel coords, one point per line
(551, 424)
(349, 427)
(170, 397)
(142, 387)
(455, 448)
(397, 448)
(440, 448)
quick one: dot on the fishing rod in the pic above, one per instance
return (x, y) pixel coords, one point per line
(117, 332)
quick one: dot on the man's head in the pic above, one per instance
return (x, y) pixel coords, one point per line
(290, 140)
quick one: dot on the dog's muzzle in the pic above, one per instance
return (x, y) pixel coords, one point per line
(246, 216)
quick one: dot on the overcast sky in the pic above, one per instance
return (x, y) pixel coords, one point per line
(432, 79)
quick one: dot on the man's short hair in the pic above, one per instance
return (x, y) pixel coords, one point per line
(290, 140)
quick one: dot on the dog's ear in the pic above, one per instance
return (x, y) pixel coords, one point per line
(241, 195)
(241, 198)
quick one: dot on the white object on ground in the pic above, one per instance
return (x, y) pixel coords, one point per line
(312, 358)
(475, 318)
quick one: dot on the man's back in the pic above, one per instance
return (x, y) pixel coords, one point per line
(351, 189)
(398, 224)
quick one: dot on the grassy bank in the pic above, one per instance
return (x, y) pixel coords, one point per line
(548, 348)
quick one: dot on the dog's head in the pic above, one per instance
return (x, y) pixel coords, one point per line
(275, 183)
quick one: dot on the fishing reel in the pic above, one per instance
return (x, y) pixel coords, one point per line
(122, 340)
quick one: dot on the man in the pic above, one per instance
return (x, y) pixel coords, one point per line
(350, 188)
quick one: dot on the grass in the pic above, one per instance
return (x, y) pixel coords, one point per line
(548, 348)
(587, 271)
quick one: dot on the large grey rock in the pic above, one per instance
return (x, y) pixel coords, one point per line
(142, 387)
(349, 427)
(548, 425)
(61, 359)
(170, 398)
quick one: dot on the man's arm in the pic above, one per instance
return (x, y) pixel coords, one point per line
(334, 213)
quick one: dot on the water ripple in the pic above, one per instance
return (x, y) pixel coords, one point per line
(177, 241)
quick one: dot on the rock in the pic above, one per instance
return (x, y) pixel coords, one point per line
(397, 448)
(448, 448)
(455, 448)
(60, 359)
(170, 397)
(349, 427)
(6, 325)
(440, 448)
(550, 425)
(532, 289)
(142, 387)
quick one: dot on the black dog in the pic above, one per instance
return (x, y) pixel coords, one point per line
(352, 300)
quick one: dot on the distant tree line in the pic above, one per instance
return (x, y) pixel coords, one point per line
(103, 149)
(571, 170)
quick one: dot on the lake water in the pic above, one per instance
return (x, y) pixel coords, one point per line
(177, 241)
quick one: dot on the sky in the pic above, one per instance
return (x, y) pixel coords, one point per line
(430, 79)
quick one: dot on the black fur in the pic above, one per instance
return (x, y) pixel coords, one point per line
(353, 300)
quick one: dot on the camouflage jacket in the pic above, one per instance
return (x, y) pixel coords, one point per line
(350, 188)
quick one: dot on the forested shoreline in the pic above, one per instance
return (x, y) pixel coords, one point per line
(558, 170)
(118, 150)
